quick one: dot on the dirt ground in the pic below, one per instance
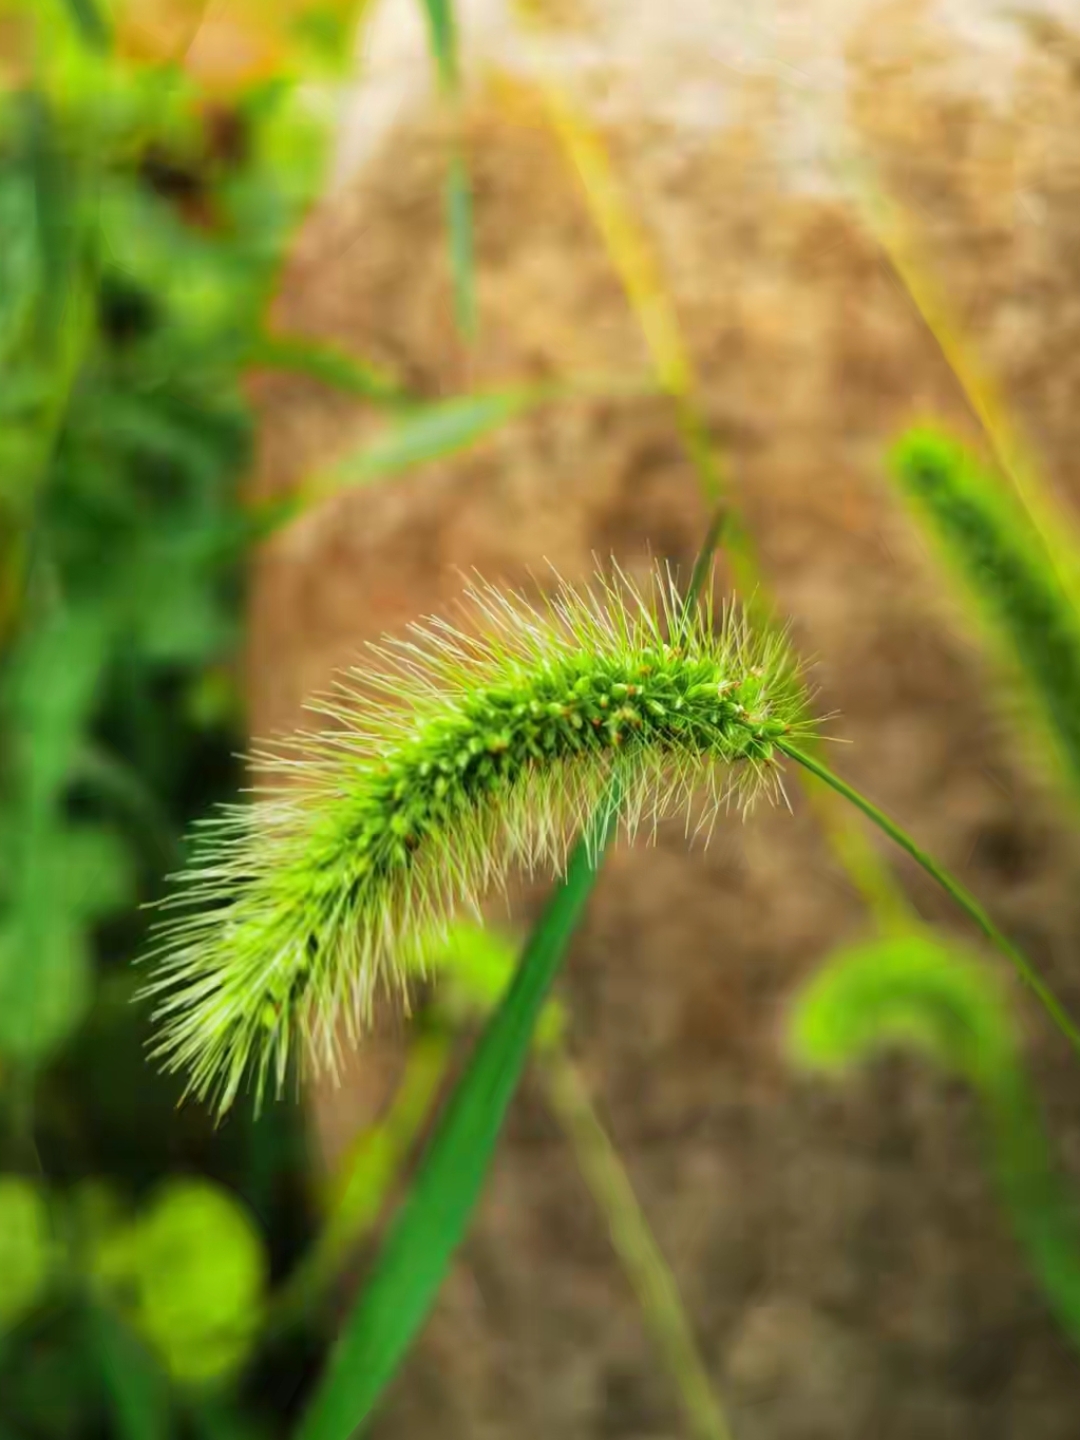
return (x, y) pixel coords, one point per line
(839, 1250)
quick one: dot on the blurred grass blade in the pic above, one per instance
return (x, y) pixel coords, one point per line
(326, 363)
(639, 1254)
(90, 23)
(438, 430)
(418, 437)
(916, 992)
(627, 247)
(459, 223)
(433, 1219)
(987, 541)
(442, 35)
(135, 1386)
(890, 225)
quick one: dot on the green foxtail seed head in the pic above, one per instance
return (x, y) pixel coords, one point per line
(467, 751)
(990, 542)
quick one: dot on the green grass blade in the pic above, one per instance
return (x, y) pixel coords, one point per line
(442, 33)
(434, 1218)
(417, 438)
(459, 223)
(136, 1388)
(438, 430)
(421, 435)
(442, 37)
(318, 360)
(949, 884)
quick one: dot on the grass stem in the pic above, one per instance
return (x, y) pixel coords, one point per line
(948, 883)
(640, 1255)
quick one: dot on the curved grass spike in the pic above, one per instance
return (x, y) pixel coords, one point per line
(469, 751)
(916, 992)
(987, 540)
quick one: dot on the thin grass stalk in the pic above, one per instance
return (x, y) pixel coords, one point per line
(457, 198)
(952, 887)
(640, 1255)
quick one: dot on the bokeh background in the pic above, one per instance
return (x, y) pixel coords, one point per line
(302, 316)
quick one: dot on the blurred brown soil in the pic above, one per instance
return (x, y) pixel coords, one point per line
(841, 1256)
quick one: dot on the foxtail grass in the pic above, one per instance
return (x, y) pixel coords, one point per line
(988, 544)
(469, 750)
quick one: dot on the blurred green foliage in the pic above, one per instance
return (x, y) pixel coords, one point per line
(142, 228)
(189, 1272)
(142, 233)
(1015, 558)
(25, 1248)
(910, 991)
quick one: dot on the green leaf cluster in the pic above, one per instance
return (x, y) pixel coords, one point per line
(140, 235)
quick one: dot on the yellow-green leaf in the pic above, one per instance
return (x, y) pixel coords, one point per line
(25, 1248)
(200, 1273)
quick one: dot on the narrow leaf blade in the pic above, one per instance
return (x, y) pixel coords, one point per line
(423, 434)
(442, 37)
(434, 1218)
(442, 34)
(459, 222)
(326, 363)
(134, 1384)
